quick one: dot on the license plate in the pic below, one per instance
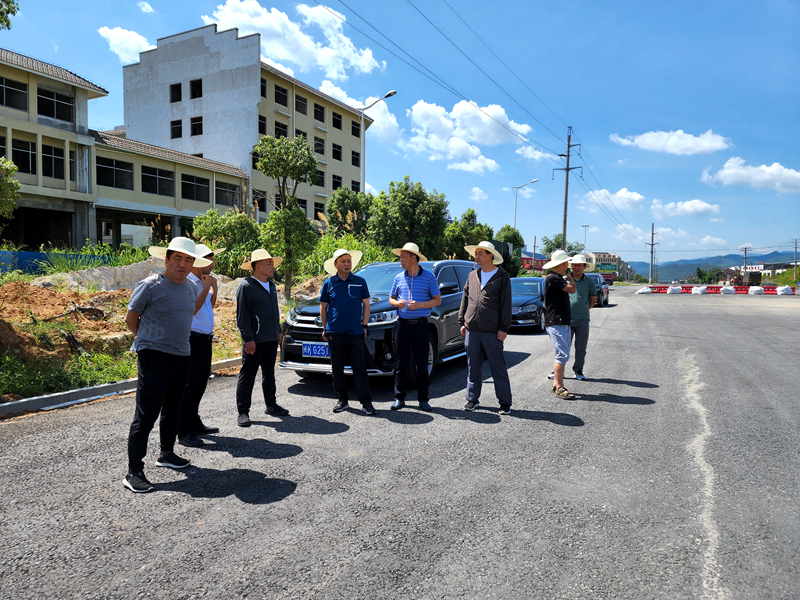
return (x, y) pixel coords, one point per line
(316, 349)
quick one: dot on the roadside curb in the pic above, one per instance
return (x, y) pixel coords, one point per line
(72, 397)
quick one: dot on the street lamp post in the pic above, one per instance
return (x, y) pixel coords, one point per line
(584, 236)
(516, 187)
(363, 135)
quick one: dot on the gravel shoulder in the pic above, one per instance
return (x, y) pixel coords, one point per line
(673, 476)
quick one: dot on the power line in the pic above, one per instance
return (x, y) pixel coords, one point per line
(436, 79)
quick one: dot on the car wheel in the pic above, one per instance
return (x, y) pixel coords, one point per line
(539, 326)
(432, 356)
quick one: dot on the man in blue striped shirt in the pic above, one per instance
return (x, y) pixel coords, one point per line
(414, 292)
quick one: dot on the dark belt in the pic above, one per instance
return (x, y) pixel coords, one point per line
(413, 321)
(203, 336)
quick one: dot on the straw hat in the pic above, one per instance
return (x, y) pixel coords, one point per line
(558, 257)
(204, 250)
(258, 255)
(489, 247)
(413, 248)
(580, 258)
(330, 266)
(182, 245)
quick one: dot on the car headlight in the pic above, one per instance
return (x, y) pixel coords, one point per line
(527, 308)
(291, 317)
(382, 318)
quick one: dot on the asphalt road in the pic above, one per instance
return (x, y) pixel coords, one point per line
(674, 475)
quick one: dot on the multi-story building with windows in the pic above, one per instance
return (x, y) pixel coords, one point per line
(78, 184)
(209, 94)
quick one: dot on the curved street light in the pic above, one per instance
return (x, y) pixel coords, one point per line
(516, 187)
(364, 135)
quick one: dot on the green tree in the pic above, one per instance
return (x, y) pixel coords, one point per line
(639, 278)
(408, 213)
(328, 243)
(287, 160)
(549, 246)
(9, 189)
(508, 234)
(349, 211)
(8, 8)
(288, 233)
(465, 231)
(232, 230)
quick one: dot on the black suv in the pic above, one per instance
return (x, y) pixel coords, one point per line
(303, 350)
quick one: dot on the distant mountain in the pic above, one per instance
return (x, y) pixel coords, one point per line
(681, 269)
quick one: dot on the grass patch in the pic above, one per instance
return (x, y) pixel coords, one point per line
(12, 276)
(48, 333)
(35, 378)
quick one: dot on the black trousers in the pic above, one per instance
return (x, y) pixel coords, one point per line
(189, 418)
(411, 340)
(346, 348)
(264, 357)
(162, 379)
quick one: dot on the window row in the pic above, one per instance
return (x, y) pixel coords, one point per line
(282, 130)
(195, 127)
(23, 155)
(281, 96)
(195, 91)
(119, 174)
(14, 94)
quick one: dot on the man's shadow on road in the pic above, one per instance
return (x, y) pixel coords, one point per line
(305, 424)
(638, 384)
(613, 399)
(250, 448)
(489, 414)
(251, 487)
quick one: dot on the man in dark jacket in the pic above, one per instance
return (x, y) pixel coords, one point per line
(258, 319)
(485, 319)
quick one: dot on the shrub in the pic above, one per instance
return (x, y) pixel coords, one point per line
(234, 231)
(329, 243)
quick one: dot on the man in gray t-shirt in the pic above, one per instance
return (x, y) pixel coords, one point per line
(160, 316)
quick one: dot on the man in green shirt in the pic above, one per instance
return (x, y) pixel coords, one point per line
(580, 301)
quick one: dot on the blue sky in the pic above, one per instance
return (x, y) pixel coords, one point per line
(688, 113)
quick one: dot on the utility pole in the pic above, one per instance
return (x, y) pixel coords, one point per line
(652, 248)
(795, 263)
(533, 262)
(566, 185)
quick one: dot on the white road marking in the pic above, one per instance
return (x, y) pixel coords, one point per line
(711, 569)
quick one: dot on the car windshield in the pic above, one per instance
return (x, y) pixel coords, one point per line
(525, 288)
(379, 278)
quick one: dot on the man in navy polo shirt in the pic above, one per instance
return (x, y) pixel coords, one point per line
(414, 292)
(344, 312)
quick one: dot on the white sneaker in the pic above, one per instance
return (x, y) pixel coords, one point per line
(551, 376)
(580, 376)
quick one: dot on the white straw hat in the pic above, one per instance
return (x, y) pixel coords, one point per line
(489, 247)
(413, 248)
(580, 258)
(204, 250)
(258, 255)
(182, 245)
(558, 257)
(330, 264)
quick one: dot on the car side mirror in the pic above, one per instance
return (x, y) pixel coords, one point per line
(448, 287)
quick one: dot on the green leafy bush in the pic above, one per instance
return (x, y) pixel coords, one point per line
(234, 231)
(329, 243)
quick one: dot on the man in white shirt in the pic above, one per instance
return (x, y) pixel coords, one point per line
(190, 426)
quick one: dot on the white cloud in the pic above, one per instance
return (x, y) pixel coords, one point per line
(525, 192)
(710, 241)
(369, 189)
(594, 229)
(532, 153)
(384, 126)
(735, 172)
(622, 161)
(55, 47)
(622, 200)
(453, 136)
(627, 232)
(674, 142)
(283, 41)
(477, 195)
(146, 8)
(716, 220)
(125, 44)
(277, 65)
(688, 208)
(663, 233)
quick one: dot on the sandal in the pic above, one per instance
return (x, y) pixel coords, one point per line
(563, 393)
